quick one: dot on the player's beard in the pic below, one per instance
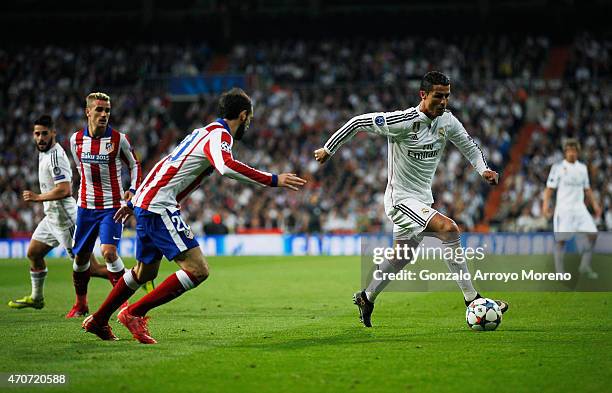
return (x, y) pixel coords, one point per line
(46, 147)
(242, 129)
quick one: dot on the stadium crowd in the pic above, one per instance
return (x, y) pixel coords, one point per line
(303, 92)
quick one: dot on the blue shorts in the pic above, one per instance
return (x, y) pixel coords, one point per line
(93, 222)
(160, 235)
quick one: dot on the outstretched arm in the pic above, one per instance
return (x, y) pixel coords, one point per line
(219, 152)
(471, 151)
(391, 124)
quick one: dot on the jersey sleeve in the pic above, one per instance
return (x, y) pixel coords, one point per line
(587, 184)
(60, 167)
(390, 124)
(218, 150)
(553, 177)
(129, 158)
(467, 145)
(73, 149)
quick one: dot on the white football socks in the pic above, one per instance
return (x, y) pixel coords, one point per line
(80, 268)
(116, 266)
(587, 255)
(559, 254)
(38, 283)
(376, 286)
(469, 293)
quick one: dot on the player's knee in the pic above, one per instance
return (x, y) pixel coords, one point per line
(34, 256)
(109, 255)
(449, 226)
(449, 230)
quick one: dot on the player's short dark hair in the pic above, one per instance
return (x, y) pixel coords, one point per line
(571, 142)
(45, 121)
(233, 102)
(434, 78)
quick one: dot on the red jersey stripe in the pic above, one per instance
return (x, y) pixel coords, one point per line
(114, 172)
(165, 179)
(83, 191)
(96, 178)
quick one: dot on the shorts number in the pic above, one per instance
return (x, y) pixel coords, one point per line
(180, 225)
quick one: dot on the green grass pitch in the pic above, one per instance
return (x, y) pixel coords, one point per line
(274, 324)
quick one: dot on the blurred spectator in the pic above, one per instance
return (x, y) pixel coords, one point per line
(303, 91)
(216, 226)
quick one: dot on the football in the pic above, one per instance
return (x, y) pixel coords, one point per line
(483, 314)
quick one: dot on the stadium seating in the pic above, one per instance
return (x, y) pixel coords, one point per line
(303, 91)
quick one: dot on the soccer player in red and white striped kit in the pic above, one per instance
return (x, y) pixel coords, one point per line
(160, 229)
(99, 152)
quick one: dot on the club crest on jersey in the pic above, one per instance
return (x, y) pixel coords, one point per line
(415, 130)
(424, 210)
(226, 147)
(110, 146)
(442, 132)
(379, 120)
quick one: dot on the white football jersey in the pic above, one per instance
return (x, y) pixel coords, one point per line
(570, 181)
(416, 144)
(54, 168)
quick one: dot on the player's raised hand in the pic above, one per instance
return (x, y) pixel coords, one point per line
(491, 177)
(290, 180)
(123, 214)
(321, 155)
(30, 196)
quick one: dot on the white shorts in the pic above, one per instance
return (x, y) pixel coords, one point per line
(568, 223)
(53, 235)
(410, 217)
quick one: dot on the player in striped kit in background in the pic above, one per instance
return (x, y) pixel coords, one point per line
(99, 152)
(160, 229)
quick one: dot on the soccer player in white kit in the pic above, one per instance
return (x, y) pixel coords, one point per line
(416, 139)
(571, 180)
(57, 227)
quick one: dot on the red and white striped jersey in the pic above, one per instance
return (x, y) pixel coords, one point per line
(99, 161)
(196, 157)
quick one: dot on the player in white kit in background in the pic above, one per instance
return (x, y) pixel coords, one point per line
(416, 139)
(571, 180)
(57, 227)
